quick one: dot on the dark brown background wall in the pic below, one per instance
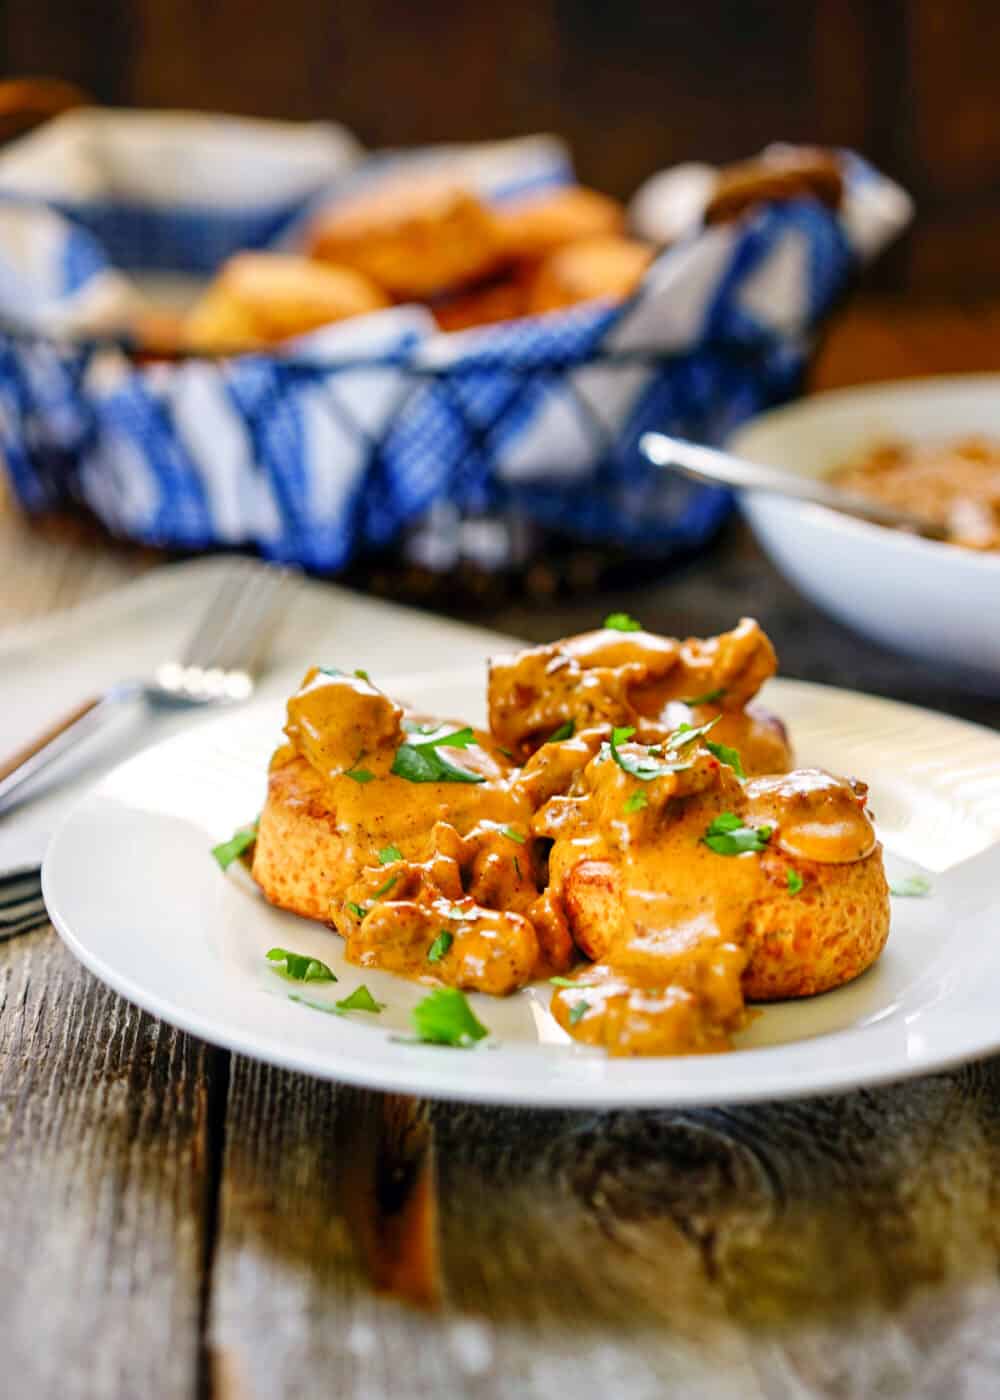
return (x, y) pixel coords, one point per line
(915, 84)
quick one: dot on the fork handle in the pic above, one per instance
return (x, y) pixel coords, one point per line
(17, 771)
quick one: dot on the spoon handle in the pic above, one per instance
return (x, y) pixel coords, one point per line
(722, 468)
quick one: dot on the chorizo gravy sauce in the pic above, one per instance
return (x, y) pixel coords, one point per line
(955, 485)
(613, 830)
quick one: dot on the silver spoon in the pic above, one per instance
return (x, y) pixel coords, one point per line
(722, 468)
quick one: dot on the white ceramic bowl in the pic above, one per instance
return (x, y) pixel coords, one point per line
(938, 602)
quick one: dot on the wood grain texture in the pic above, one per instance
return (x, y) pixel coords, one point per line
(845, 1247)
(103, 1136)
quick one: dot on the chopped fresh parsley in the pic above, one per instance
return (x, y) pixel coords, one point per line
(563, 982)
(388, 854)
(727, 836)
(911, 887)
(621, 622)
(795, 881)
(513, 835)
(420, 762)
(730, 757)
(636, 801)
(708, 698)
(360, 999)
(578, 1011)
(357, 910)
(238, 843)
(639, 768)
(565, 731)
(385, 887)
(299, 966)
(359, 775)
(440, 945)
(446, 1018)
(363, 676)
(686, 734)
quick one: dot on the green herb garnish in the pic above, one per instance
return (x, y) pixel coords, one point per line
(360, 999)
(357, 910)
(727, 836)
(386, 887)
(686, 734)
(563, 982)
(359, 775)
(513, 835)
(639, 768)
(636, 802)
(708, 698)
(730, 757)
(299, 966)
(795, 882)
(565, 731)
(578, 1011)
(446, 1018)
(237, 844)
(621, 622)
(363, 676)
(911, 887)
(388, 854)
(421, 762)
(440, 945)
(506, 753)
(517, 867)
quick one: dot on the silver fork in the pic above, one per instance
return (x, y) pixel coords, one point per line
(219, 667)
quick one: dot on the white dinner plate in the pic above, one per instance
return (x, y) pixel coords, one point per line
(132, 888)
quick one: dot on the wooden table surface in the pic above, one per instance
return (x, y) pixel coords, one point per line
(181, 1222)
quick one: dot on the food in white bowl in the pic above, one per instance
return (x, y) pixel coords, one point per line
(939, 602)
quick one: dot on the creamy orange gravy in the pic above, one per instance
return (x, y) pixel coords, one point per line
(511, 877)
(662, 913)
(956, 485)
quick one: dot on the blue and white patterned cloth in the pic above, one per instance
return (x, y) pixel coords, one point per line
(375, 429)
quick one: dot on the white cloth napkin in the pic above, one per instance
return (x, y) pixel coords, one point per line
(47, 667)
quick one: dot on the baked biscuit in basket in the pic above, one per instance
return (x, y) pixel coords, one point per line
(530, 229)
(610, 267)
(263, 298)
(502, 300)
(416, 238)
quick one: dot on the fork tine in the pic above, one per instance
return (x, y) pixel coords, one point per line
(12, 895)
(27, 925)
(24, 875)
(26, 909)
(215, 620)
(254, 621)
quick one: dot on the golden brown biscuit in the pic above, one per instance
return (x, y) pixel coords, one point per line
(595, 268)
(779, 175)
(263, 298)
(827, 934)
(415, 237)
(483, 306)
(533, 228)
(300, 845)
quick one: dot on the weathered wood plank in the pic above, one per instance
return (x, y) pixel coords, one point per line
(103, 1139)
(307, 1171)
(844, 1247)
